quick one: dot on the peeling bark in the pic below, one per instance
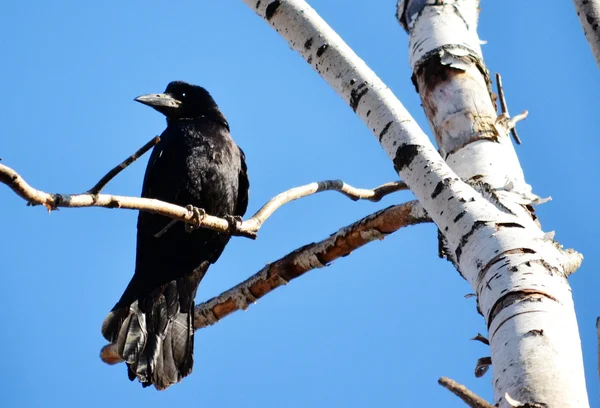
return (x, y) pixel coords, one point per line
(517, 271)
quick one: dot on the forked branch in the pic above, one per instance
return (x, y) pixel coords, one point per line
(188, 214)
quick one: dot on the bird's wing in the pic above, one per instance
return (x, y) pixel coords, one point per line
(154, 156)
(243, 186)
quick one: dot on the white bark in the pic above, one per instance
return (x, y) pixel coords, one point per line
(589, 17)
(496, 245)
(517, 272)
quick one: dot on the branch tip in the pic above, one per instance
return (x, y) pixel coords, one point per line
(482, 367)
(467, 396)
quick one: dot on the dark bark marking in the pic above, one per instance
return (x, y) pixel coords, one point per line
(356, 95)
(440, 187)
(525, 295)
(535, 332)
(322, 49)
(272, 9)
(308, 43)
(385, 129)
(591, 21)
(508, 225)
(465, 238)
(405, 155)
(459, 216)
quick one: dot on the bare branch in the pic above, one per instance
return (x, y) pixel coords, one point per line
(482, 366)
(481, 338)
(504, 106)
(469, 397)
(589, 17)
(353, 193)
(116, 170)
(188, 215)
(308, 257)
(297, 263)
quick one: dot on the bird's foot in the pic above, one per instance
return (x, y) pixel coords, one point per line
(195, 218)
(234, 222)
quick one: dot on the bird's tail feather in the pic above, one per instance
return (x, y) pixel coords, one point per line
(154, 336)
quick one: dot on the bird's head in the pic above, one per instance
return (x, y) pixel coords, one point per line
(183, 101)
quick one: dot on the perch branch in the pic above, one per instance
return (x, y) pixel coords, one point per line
(247, 228)
(469, 397)
(316, 255)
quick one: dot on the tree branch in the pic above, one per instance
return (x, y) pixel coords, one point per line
(511, 124)
(116, 170)
(589, 17)
(375, 226)
(469, 397)
(247, 228)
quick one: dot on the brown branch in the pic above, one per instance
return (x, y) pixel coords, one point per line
(116, 170)
(296, 263)
(469, 397)
(512, 124)
(481, 338)
(482, 366)
(188, 215)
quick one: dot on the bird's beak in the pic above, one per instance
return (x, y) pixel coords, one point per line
(161, 102)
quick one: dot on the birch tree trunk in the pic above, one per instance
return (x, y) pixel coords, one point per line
(485, 216)
(518, 272)
(589, 17)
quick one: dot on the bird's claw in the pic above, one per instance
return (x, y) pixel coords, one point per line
(195, 218)
(234, 222)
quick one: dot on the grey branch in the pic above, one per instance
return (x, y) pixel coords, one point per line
(247, 228)
(512, 124)
(589, 17)
(375, 226)
(469, 397)
(116, 170)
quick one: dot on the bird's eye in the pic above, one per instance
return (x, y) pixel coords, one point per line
(183, 94)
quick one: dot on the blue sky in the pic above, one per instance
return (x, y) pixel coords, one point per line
(374, 329)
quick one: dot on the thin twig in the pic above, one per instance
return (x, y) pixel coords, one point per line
(504, 107)
(116, 170)
(482, 366)
(481, 338)
(316, 255)
(469, 397)
(246, 229)
(353, 193)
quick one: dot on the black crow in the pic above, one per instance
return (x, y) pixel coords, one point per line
(195, 163)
